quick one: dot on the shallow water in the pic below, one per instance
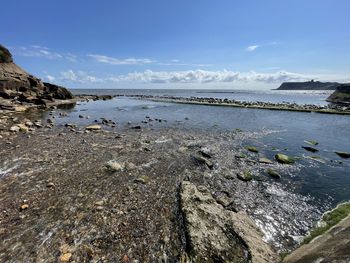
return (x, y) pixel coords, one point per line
(327, 178)
(317, 97)
(306, 189)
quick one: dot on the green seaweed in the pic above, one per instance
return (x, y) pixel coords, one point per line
(329, 220)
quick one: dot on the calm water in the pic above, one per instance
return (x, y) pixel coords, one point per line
(320, 184)
(275, 96)
(325, 181)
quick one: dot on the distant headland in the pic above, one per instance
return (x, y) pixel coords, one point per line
(308, 85)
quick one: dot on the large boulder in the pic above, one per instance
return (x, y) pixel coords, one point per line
(19, 86)
(214, 234)
(341, 95)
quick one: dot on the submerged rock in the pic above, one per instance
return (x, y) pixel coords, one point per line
(252, 149)
(218, 235)
(285, 159)
(310, 149)
(343, 154)
(273, 173)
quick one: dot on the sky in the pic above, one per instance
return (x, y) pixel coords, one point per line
(253, 44)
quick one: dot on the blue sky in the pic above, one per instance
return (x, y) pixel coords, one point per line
(179, 44)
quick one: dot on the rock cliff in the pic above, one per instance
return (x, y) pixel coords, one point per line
(341, 95)
(18, 87)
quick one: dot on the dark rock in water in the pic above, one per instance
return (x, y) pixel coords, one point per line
(273, 173)
(214, 234)
(308, 85)
(252, 149)
(19, 86)
(202, 160)
(282, 158)
(343, 154)
(310, 149)
(138, 127)
(341, 95)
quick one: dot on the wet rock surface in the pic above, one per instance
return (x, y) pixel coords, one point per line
(218, 235)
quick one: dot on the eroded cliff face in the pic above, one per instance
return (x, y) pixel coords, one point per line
(341, 95)
(18, 87)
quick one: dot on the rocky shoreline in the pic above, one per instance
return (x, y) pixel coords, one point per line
(328, 109)
(102, 192)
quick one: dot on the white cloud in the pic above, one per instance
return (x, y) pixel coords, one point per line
(117, 61)
(252, 48)
(78, 77)
(191, 78)
(202, 76)
(50, 78)
(41, 52)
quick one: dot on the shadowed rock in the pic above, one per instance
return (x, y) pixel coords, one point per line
(341, 95)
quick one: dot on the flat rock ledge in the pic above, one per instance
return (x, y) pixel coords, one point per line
(214, 234)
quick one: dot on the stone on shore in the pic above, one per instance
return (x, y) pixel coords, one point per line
(245, 176)
(285, 159)
(218, 235)
(94, 127)
(265, 160)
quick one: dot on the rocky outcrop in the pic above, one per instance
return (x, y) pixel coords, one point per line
(214, 234)
(18, 87)
(308, 85)
(341, 95)
(332, 246)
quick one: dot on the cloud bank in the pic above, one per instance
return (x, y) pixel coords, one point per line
(189, 76)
